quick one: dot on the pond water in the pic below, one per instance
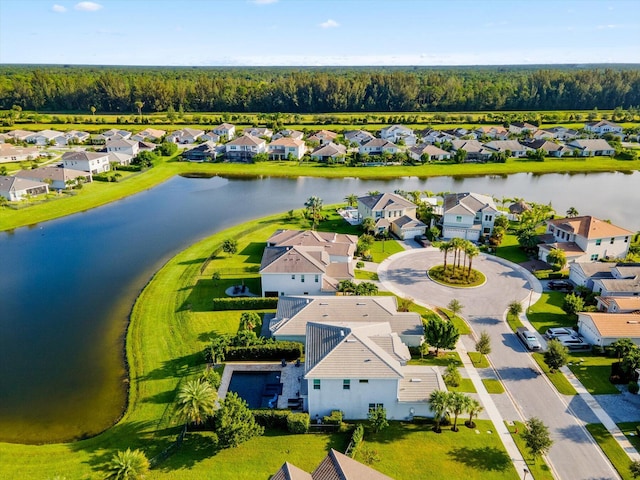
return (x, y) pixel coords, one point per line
(69, 284)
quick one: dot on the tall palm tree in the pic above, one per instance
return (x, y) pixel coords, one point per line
(471, 251)
(572, 212)
(196, 402)
(457, 244)
(473, 409)
(368, 224)
(415, 196)
(439, 403)
(314, 206)
(458, 403)
(446, 248)
(351, 199)
(127, 465)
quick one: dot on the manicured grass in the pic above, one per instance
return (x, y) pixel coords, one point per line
(382, 249)
(557, 378)
(366, 275)
(537, 467)
(547, 312)
(614, 452)
(493, 386)
(462, 326)
(593, 372)
(409, 451)
(442, 360)
(629, 430)
(510, 250)
(478, 360)
(514, 322)
(455, 277)
(466, 386)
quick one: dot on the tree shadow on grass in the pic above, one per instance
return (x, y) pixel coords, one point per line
(394, 432)
(253, 251)
(196, 447)
(484, 458)
(177, 367)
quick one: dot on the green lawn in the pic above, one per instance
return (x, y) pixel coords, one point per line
(557, 378)
(629, 428)
(547, 312)
(478, 360)
(462, 326)
(366, 275)
(443, 360)
(381, 249)
(514, 322)
(493, 386)
(409, 451)
(466, 386)
(593, 372)
(537, 467)
(611, 449)
(510, 250)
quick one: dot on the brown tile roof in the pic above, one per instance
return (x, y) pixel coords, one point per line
(589, 227)
(247, 140)
(615, 324)
(288, 142)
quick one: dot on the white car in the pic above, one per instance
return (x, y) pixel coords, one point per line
(558, 331)
(529, 338)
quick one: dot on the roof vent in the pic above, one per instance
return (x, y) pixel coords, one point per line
(342, 333)
(417, 380)
(633, 322)
(360, 303)
(323, 303)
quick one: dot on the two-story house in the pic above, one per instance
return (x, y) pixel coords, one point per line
(244, 148)
(225, 130)
(585, 239)
(359, 137)
(398, 133)
(393, 213)
(92, 162)
(468, 215)
(378, 146)
(323, 137)
(185, 136)
(128, 147)
(286, 147)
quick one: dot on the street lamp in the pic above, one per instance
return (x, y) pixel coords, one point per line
(525, 473)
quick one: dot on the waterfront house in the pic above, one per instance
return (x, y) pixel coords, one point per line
(329, 152)
(476, 151)
(244, 148)
(430, 153)
(92, 162)
(550, 149)
(392, 213)
(205, 152)
(601, 127)
(284, 147)
(512, 148)
(468, 215)
(58, 178)
(16, 188)
(378, 146)
(597, 147)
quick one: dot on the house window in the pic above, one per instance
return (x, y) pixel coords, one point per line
(459, 219)
(317, 278)
(293, 277)
(373, 406)
(594, 257)
(598, 242)
(316, 384)
(487, 231)
(302, 278)
(612, 240)
(346, 384)
(363, 380)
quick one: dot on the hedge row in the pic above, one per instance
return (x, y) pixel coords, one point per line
(267, 351)
(356, 439)
(245, 303)
(293, 422)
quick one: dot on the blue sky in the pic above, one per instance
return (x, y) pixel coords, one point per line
(327, 32)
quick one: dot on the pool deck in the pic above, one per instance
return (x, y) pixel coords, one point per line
(290, 377)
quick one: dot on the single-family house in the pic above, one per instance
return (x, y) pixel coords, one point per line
(244, 148)
(19, 135)
(359, 137)
(510, 147)
(597, 147)
(603, 126)
(205, 152)
(625, 282)
(603, 329)
(288, 133)
(398, 133)
(129, 147)
(120, 158)
(330, 153)
(492, 131)
(295, 312)
(392, 213)
(12, 153)
(429, 135)
(563, 133)
(75, 137)
(378, 146)
(47, 137)
(323, 137)
(58, 178)
(306, 263)
(92, 162)
(551, 149)
(211, 137)
(468, 215)
(286, 147)
(585, 239)
(335, 466)
(518, 128)
(16, 188)
(226, 130)
(149, 134)
(357, 367)
(115, 134)
(258, 132)
(428, 152)
(476, 151)
(618, 304)
(584, 273)
(185, 136)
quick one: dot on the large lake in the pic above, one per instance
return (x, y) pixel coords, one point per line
(68, 285)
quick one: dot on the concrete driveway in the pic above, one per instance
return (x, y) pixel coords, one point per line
(574, 454)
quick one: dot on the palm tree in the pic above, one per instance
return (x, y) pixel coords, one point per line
(351, 199)
(572, 212)
(314, 206)
(367, 288)
(373, 193)
(127, 465)
(439, 403)
(368, 224)
(445, 247)
(415, 196)
(458, 403)
(471, 251)
(473, 409)
(196, 402)
(457, 244)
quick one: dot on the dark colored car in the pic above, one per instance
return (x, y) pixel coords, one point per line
(561, 285)
(422, 240)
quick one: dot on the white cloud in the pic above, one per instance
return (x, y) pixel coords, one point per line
(330, 24)
(59, 8)
(605, 27)
(264, 2)
(88, 6)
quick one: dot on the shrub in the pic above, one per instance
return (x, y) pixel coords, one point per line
(633, 387)
(356, 439)
(272, 418)
(245, 303)
(359, 264)
(267, 351)
(452, 376)
(334, 419)
(298, 423)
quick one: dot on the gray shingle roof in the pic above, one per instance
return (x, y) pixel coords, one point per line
(467, 203)
(292, 260)
(337, 466)
(83, 156)
(384, 201)
(418, 383)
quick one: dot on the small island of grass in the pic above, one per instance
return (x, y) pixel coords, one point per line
(456, 277)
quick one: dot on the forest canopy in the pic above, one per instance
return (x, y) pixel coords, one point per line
(317, 90)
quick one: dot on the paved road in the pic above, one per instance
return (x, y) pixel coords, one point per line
(574, 455)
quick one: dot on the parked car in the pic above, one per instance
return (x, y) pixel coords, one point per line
(422, 240)
(557, 331)
(573, 342)
(561, 285)
(529, 338)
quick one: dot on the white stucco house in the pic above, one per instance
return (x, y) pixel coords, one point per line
(323, 137)
(16, 188)
(584, 273)
(618, 304)
(605, 328)
(378, 146)
(392, 213)
(149, 135)
(185, 136)
(58, 178)
(244, 148)
(468, 215)
(47, 137)
(356, 367)
(476, 151)
(12, 153)
(225, 130)
(92, 162)
(603, 126)
(258, 132)
(329, 152)
(597, 147)
(128, 147)
(585, 239)
(625, 282)
(518, 128)
(397, 133)
(430, 152)
(283, 147)
(360, 137)
(492, 131)
(510, 147)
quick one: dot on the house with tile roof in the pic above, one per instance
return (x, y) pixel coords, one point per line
(360, 137)
(185, 136)
(511, 147)
(551, 149)
(430, 135)
(205, 152)
(468, 215)
(129, 147)
(497, 132)
(430, 152)
(378, 146)
(284, 147)
(597, 147)
(397, 133)
(476, 151)
(603, 126)
(563, 133)
(295, 312)
(356, 367)
(13, 153)
(625, 282)
(92, 162)
(392, 213)
(323, 137)
(584, 273)
(19, 135)
(258, 132)
(58, 178)
(329, 152)
(16, 188)
(618, 304)
(244, 148)
(77, 136)
(518, 128)
(226, 130)
(603, 329)
(335, 466)
(584, 239)
(298, 135)
(149, 134)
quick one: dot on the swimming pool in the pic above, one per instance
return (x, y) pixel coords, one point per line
(259, 389)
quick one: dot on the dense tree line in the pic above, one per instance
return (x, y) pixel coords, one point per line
(316, 90)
